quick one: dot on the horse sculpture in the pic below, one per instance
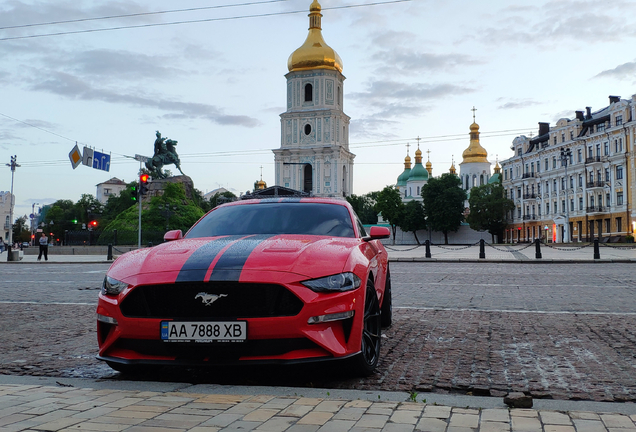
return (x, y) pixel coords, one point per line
(165, 154)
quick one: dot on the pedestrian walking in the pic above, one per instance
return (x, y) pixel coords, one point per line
(44, 247)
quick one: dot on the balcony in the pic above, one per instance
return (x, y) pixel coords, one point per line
(529, 217)
(592, 159)
(596, 209)
(530, 196)
(596, 184)
(528, 175)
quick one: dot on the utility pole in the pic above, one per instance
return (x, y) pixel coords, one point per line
(566, 154)
(13, 166)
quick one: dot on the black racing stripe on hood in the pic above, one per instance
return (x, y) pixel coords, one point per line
(197, 265)
(230, 265)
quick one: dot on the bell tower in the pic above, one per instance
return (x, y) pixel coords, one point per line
(314, 154)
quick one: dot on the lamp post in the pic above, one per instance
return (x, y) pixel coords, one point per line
(32, 224)
(13, 166)
(566, 154)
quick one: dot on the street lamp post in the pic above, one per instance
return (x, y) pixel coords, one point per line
(566, 154)
(13, 166)
(32, 224)
(167, 211)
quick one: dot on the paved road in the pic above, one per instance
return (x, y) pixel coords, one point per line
(564, 331)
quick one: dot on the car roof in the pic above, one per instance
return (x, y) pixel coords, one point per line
(319, 200)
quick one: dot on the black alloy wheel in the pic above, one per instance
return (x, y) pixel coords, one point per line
(365, 363)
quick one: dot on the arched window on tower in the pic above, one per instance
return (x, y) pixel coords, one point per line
(309, 93)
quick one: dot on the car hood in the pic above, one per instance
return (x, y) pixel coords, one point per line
(228, 257)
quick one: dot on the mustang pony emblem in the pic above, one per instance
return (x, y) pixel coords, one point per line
(208, 299)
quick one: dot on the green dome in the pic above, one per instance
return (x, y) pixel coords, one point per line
(403, 178)
(496, 178)
(418, 173)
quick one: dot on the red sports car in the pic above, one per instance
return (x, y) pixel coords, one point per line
(262, 281)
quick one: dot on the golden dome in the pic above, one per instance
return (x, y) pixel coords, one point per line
(314, 53)
(475, 152)
(452, 169)
(418, 156)
(497, 167)
(407, 162)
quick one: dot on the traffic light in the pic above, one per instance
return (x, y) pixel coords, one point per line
(93, 224)
(133, 193)
(143, 184)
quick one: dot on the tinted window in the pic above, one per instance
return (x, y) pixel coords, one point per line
(276, 218)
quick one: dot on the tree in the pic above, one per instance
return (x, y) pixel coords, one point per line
(413, 218)
(21, 232)
(390, 204)
(443, 200)
(364, 206)
(61, 216)
(488, 208)
(118, 204)
(220, 198)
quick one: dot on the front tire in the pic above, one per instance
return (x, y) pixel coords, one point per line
(365, 363)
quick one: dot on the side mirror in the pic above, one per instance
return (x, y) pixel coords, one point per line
(173, 235)
(377, 233)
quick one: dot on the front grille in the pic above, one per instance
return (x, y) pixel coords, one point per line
(236, 300)
(215, 352)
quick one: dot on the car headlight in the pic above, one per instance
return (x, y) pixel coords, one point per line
(112, 286)
(334, 283)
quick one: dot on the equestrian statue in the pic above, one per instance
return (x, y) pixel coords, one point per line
(165, 154)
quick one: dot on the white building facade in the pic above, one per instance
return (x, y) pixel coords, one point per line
(573, 182)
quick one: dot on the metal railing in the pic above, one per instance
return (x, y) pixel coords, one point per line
(595, 209)
(529, 196)
(528, 175)
(592, 159)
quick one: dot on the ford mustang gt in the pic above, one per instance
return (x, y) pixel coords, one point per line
(280, 280)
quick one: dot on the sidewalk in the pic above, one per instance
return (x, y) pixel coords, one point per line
(59, 404)
(580, 253)
(515, 253)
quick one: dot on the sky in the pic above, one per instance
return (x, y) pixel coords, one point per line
(211, 75)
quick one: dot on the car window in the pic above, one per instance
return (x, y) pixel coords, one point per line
(276, 218)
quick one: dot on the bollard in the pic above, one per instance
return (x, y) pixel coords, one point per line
(149, 244)
(482, 249)
(110, 252)
(597, 253)
(537, 253)
(428, 249)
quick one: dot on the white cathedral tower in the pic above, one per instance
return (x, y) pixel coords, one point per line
(314, 154)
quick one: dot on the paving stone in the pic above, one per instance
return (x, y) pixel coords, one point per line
(554, 418)
(617, 421)
(398, 427)
(277, 424)
(464, 420)
(584, 415)
(316, 418)
(589, 425)
(296, 410)
(222, 420)
(372, 421)
(558, 428)
(261, 415)
(441, 412)
(523, 424)
(493, 426)
(495, 415)
(59, 424)
(405, 416)
(335, 425)
(329, 406)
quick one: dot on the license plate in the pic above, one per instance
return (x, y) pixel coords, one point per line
(204, 331)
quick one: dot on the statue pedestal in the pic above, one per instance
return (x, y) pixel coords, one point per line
(156, 187)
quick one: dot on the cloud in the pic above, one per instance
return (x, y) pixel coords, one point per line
(412, 63)
(382, 90)
(70, 86)
(118, 64)
(569, 20)
(516, 104)
(626, 71)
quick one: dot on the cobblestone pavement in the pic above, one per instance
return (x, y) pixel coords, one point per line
(557, 331)
(42, 408)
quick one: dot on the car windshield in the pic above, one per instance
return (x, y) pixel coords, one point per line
(276, 218)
